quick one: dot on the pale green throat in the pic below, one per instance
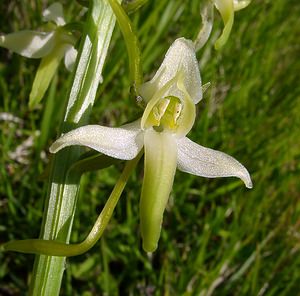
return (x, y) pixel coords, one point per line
(165, 115)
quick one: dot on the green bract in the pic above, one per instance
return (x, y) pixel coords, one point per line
(50, 46)
(169, 115)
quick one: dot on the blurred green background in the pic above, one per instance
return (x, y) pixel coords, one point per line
(218, 237)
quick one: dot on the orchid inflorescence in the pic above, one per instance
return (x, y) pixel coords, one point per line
(226, 9)
(161, 133)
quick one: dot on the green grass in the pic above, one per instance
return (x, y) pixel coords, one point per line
(218, 237)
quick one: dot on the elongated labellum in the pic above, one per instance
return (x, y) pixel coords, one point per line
(160, 167)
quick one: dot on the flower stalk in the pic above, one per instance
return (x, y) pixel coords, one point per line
(55, 248)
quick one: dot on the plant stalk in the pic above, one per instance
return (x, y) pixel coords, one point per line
(62, 192)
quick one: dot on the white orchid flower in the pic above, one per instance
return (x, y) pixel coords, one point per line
(50, 46)
(227, 9)
(169, 115)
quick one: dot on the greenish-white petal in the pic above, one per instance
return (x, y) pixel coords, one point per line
(124, 142)
(240, 4)
(159, 171)
(187, 118)
(226, 10)
(181, 56)
(206, 162)
(54, 13)
(29, 44)
(70, 57)
(162, 92)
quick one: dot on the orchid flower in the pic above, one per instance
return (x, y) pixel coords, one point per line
(51, 46)
(171, 96)
(226, 8)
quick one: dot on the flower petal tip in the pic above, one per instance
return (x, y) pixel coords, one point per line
(149, 248)
(240, 4)
(54, 13)
(57, 145)
(248, 182)
(54, 147)
(243, 174)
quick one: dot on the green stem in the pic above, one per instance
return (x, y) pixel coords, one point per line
(132, 43)
(62, 192)
(54, 248)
